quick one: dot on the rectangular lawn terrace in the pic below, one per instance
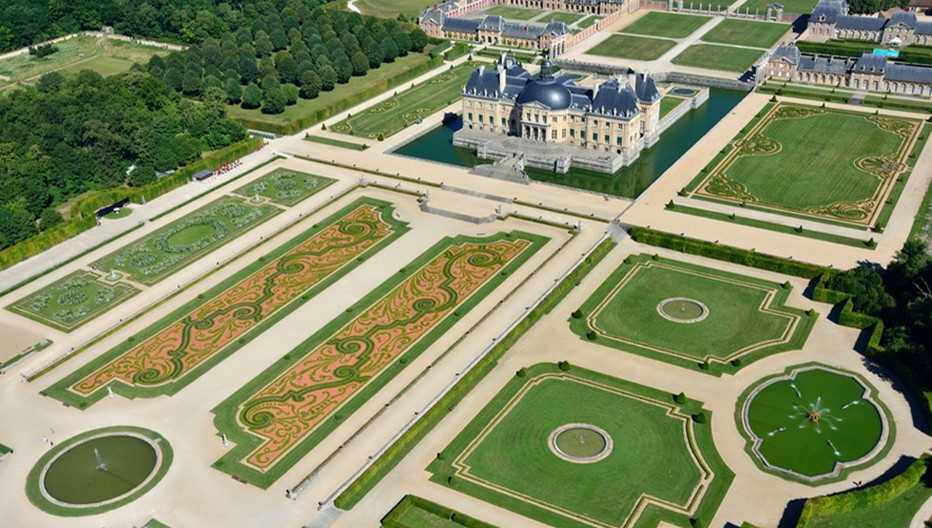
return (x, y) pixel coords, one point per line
(727, 320)
(185, 344)
(670, 25)
(285, 186)
(284, 412)
(656, 463)
(717, 57)
(746, 33)
(631, 47)
(825, 164)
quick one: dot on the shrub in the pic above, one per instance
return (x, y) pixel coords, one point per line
(590, 335)
(564, 365)
(701, 417)
(521, 373)
(705, 365)
(680, 398)
(787, 285)
(577, 314)
(736, 362)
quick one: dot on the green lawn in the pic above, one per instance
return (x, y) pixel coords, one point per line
(669, 103)
(635, 48)
(72, 301)
(393, 8)
(745, 318)
(285, 186)
(566, 18)
(515, 13)
(506, 455)
(163, 252)
(306, 107)
(122, 212)
(335, 142)
(715, 57)
(659, 24)
(746, 33)
(588, 21)
(105, 56)
(416, 512)
(799, 7)
(787, 162)
(394, 114)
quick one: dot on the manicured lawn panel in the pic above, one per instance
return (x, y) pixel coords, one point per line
(396, 113)
(429, 311)
(4, 450)
(416, 512)
(566, 18)
(798, 7)
(785, 162)
(746, 33)
(714, 57)
(335, 142)
(588, 21)
(173, 375)
(670, 25)
(516, 13)
(504, 455)
(393, 8)
(161, 253)
(669, 103)
(635, 48)
(746, 318)
(73, 300)
(285, 186)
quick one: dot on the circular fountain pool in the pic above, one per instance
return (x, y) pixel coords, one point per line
(98, 471)
(581, 443)
(813, 423)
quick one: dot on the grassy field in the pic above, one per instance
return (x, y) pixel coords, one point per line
(393, 8)
(506, 455)
(744, 317)
(305, 107)
(658, 24)
(163, 252)
(416, 512)
(746, 33)
(394, 114)
(105, 56)
(515, 13)
(588, 21)
(714, 57)
(335, 142)
(669, 103)
(786, 162)
(72, 301)
(285, 186)
(798, 7)
(635, 48)
(566, 18)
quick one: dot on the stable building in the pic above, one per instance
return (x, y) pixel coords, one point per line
(830, 20)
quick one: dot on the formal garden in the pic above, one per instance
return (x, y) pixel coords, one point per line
(284, 187)
(814, 423)
(669, 25)
(279, 416)
(174, 246)
(73, 300)
(185, 344)
(408, 107)
(649, 454)
(632, 47)
(786, 161)
(746, 33)
(718, 57)
(690, 315)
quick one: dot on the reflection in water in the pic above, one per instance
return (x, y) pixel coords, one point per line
(629, 182)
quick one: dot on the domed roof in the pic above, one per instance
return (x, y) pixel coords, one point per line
(546, 91)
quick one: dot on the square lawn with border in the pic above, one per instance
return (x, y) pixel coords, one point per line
(786, 162)
(566, 18)
(670, 25)
(634, 48)
(588, 21)
(798, 7)
(715, 57)
(285, 186)
(648, 460)
(157, 255)
(746, 33)
(515, 13)
(686, 314)
(72, 301)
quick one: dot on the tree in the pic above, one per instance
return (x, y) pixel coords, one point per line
(389, 49)
(865, 285)
(174, 78)
(274, 102)
(263, 44)
(375, 54)
(328, 77)
(310, 85)
(51, 82)
(191, 83)
(287, 67)
(418, 39)
(360, 63)
(233, 90)
(291, 94)
(49, 218)
(252, 96)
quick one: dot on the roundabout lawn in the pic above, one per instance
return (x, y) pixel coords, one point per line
(663, 464)
(686, 315)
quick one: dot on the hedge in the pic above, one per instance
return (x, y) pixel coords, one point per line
(341, 105)
(82, 211)
(394, 517)
(866, 497)
(378, 470)
(727, 253)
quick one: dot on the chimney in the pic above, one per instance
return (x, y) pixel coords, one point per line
(633, 79)
(595, 91)
(501, 81)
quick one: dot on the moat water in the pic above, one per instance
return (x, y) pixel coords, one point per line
(629, 182)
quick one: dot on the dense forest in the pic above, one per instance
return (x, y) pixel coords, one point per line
(868, 7)
(285, 55)
(69, 135)
(901, 296)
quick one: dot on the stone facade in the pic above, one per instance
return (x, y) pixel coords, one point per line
(870, 72)
(830, 20)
